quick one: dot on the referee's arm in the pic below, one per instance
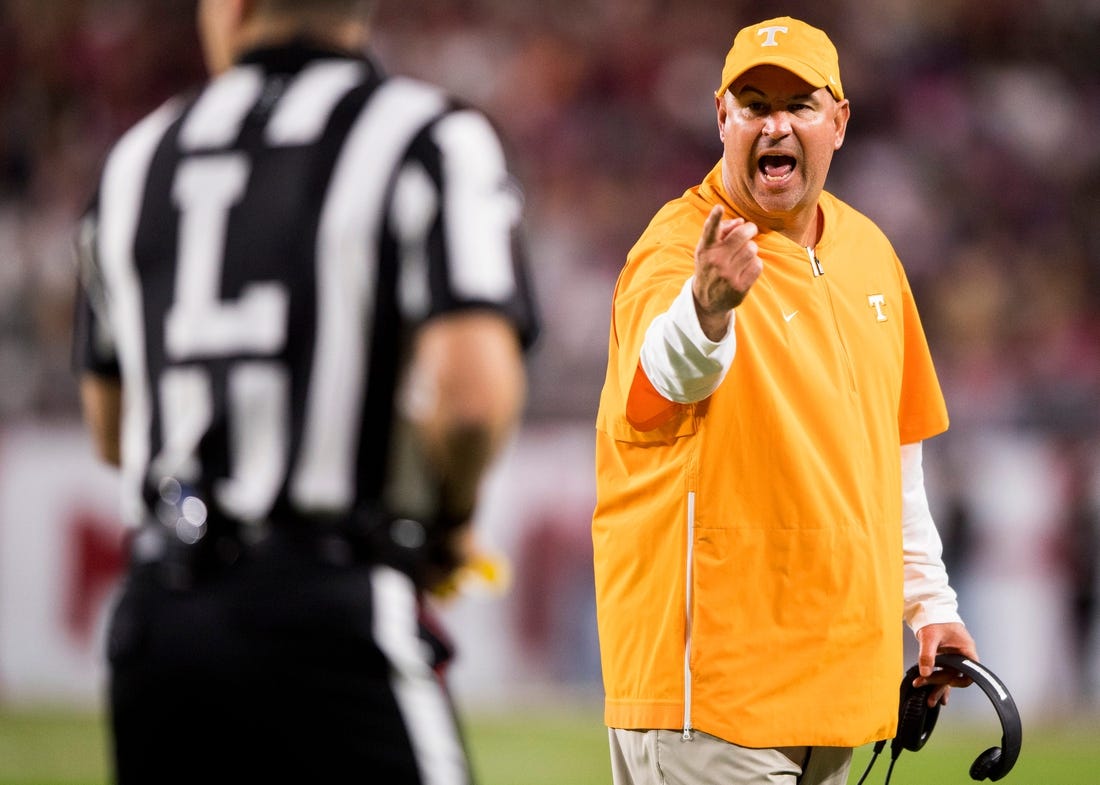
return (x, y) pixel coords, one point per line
(101, 402)
(465, 392)
(93, 354)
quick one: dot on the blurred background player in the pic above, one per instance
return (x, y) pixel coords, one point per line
(761, 524)
(301, 334)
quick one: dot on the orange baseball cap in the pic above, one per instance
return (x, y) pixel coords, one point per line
(790, 44)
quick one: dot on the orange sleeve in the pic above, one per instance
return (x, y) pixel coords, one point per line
(655, 271)
(922, 412)
(646, 408)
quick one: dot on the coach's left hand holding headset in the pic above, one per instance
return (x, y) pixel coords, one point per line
(948, 638)
(948, 658)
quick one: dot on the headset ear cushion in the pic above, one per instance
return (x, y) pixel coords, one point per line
(916, 720)
(985, 763)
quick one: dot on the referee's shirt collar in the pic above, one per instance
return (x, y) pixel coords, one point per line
(293, 56)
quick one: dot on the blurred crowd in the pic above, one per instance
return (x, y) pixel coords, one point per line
(973, 143)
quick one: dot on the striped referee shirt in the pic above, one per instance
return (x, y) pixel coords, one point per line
(255, 261)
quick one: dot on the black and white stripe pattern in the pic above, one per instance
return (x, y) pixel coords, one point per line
(424, 705)
(347, 270)
(264, 251)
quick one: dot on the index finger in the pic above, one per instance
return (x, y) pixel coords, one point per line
(710, 227)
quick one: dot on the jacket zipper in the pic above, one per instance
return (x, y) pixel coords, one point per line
(687, 613)
(819, 272)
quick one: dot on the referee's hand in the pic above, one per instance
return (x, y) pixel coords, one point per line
(473, 568)
(726, 267)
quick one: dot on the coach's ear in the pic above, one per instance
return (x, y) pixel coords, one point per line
(840, 121)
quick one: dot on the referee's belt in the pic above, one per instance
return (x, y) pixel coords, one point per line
(185, 553)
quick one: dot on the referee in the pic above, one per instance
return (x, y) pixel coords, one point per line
(300, 334)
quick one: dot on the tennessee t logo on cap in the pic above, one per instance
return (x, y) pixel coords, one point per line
(790, 44)
(770, 33)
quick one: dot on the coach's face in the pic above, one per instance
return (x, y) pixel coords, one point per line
(779, 134)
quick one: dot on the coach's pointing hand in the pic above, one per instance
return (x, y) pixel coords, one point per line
(726, 266)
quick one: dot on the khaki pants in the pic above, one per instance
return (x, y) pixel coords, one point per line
(663, 757)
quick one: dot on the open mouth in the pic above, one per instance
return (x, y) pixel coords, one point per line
(776, 167)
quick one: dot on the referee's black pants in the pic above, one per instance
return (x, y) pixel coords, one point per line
(283, 667)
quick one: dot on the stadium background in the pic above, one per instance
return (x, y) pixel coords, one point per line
(973, 142)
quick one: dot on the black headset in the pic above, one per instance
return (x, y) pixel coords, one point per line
(916, 718)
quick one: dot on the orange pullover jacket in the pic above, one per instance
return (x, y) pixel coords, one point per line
(748, 548)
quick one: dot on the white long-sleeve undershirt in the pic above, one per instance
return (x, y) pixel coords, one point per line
(929, 598)
(685, 366)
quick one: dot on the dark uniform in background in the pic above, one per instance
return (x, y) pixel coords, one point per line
(255, 266)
